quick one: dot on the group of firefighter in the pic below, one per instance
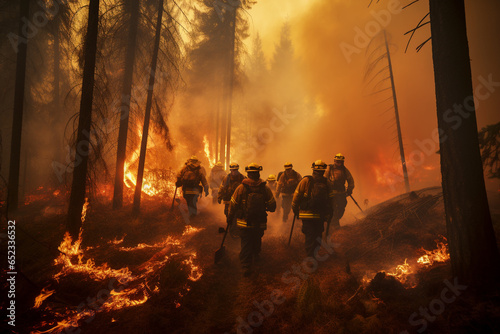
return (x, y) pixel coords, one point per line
(315, 199)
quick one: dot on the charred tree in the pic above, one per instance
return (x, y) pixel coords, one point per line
(230, 83)
(125, 104)
(78, 187)
(473, 248)
(17, 121)
(147, 115)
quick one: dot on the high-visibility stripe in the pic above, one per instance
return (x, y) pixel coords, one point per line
(243, 224)
(309, 215)
(191, 192)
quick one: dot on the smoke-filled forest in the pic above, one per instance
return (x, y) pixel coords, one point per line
(250, 166)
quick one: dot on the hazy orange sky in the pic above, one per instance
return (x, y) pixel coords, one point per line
(351, 122)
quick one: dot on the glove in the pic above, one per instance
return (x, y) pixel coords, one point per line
(295, 211)
(348, 193)
(229, 221)
(206, 192)
(178, 184)
(219, 200)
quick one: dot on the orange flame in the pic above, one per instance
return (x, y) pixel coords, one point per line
(402, 272)
(84, 209)
(211, 161)
(440, 254)
(44, 294)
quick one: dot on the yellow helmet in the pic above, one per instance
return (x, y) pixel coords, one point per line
(218, 164)
(253, 167)
(234, 166)
(193, 158)
(339, 157)
(288, 165)
(271, 177)
(319, 165)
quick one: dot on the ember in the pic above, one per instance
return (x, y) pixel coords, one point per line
(440, 254)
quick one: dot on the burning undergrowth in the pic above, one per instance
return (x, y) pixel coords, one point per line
(111, 287)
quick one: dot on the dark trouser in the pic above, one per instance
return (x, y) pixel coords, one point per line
(191, 201)
(339, 204)
(312, 229)
(215, 192)
(286, 204)
(251, 242)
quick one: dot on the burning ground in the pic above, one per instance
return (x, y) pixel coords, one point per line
(155, 273)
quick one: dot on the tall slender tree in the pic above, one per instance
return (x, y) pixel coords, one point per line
(17, 121)
(147, 115)
(125, 103)
(82, 145)
(473, 248)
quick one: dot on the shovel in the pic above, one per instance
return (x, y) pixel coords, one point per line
(291, 231)
(219, 254)
(173, 199)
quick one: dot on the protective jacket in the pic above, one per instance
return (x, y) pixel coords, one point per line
(216, 176)
(250, 202)
(313, 198)
(228, 186)
(190, 178)
(337, 178)
(288, 183)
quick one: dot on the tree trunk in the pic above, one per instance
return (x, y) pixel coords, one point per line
(17, 120)
(145, 130)
(473, 248)
(230, 86)
(125, 106)
(78, 187)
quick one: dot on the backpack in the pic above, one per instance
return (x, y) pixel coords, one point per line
(230, 186)
(255, 209)
(191, 178)
(290, 184)
(317, 195)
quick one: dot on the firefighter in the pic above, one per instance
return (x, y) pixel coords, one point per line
(249, 204)
(189, 178)
(271, 183)
(229, 184)
(287, 182)
(338, 175)
(312, 204)
(217, 174)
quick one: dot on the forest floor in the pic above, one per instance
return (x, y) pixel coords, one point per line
(152, 274)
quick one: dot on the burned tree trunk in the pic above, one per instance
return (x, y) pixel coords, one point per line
(17, 120)
(473, 248)
(145, 130)
(125, 105)
(230, 85)
(78, 187)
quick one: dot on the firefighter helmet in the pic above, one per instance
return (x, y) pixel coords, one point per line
(193, 158)
(288, 165)
(271, 177)
(253, 167)
(339, 157)
(234, 166)
(319, 165)
(218, 164)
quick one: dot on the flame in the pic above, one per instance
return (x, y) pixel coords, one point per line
(84, 209)
(440, 254)
(115, 241)
(167, 241)
(402, 272)
(211, 161)
(196, 271)
(44, 294)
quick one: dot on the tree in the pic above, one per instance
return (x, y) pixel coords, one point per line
(489, 143)
(473, 248)
(82, 145)
(17, 121)
(145, 131)
(125, 106)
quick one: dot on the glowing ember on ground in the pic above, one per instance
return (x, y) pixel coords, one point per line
(84, 209)
(44, 294)
(440, 254)
(196, 271)
(402, 271)
(116, 241)
(167, 241)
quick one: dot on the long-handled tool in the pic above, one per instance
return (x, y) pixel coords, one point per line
(327, 229)
(355, 202)
(173, 199)
(291, 231)
(219, 254)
